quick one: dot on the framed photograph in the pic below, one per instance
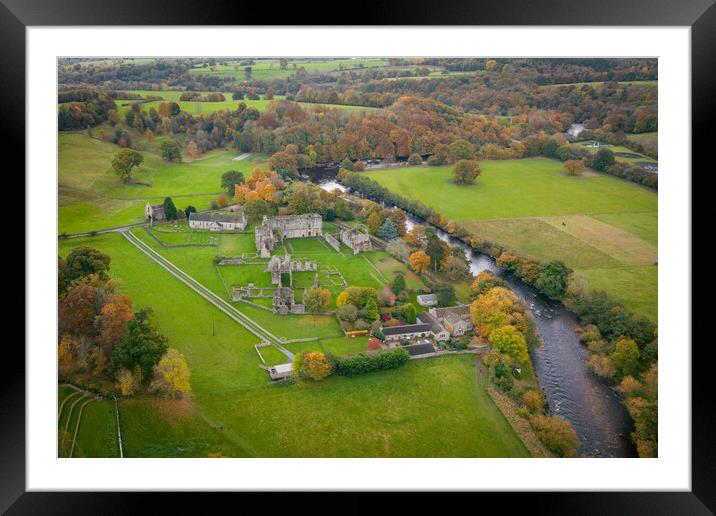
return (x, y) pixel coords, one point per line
(366, 258)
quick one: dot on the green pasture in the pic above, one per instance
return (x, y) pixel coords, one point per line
(266, 69)
(604, 228)
(619, 148)
(234, 410)
(92, 197)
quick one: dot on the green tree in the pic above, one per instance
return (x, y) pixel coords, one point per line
(170, 211)
(445, 294)
(143, 346)
(388, 231)
(189, 210)
(603, 159)
(347, 164)
(552, 281)
(436, 250)
(626, 356)
(124, 161)
(316, 300)
(371, 309)
(170, 151)
(229, 179)
(398, 284)
(459, 150)
(83, 261)
(465, 171)
(411, 313)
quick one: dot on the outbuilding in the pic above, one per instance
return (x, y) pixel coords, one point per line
(281, 371)
(427, 299)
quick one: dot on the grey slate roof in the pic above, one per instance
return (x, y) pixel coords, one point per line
(208, 216)
(426, 318)
(407, 329)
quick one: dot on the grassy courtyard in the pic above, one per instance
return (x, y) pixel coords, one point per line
(604, 228)
(236, 411)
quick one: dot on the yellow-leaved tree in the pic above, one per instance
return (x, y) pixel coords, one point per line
(419, 261)
(171, 375)
(316, 366)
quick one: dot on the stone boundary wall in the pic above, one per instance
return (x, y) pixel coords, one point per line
(331, 240)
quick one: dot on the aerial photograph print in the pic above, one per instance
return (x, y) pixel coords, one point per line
(357, 257)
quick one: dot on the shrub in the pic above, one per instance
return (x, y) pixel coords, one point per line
(414, 160)
(557, 434)
(362, 363)
(315, 366)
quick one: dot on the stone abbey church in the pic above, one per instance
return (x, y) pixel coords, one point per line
(273, 230)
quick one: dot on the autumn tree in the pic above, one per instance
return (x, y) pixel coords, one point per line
(415, 160)
(493, 309)
(316, 300)
(557, 434)
(171, 375)
(374, 222)
(460, 150)
(465, 171)
(573, 167)
(315, 366)
(419, 261)
(124, 161)
(508, 340)
(126, 382)
(111, 323)
(625, 356)
(193, 150)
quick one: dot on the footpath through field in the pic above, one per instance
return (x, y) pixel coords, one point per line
(241, 318)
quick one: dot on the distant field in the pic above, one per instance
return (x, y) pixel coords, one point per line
(649, 84)
(91, 196)
(651, 138)
(604, 228)
(620, 149)
(195, 108)
(271, 68)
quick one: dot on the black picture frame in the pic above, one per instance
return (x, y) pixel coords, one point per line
(700, 15)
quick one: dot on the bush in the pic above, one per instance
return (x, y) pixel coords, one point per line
(362, 363)
(414, 160)
(557, 434)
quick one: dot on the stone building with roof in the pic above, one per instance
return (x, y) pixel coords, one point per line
(214, 221)
(407, 331)
(455, 319)
(154, 212)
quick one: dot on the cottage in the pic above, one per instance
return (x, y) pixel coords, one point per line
(281, 371)
(356, 240)
(427, 299)
(407, 331)
(154, 212)
(455, 319)
(214, 221)
(273, 230)
(439, 332)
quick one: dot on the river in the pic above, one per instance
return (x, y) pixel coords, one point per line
(571, 388)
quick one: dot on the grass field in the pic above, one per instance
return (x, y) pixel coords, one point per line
(237, 412)
(266, 69)
(91, 195)
(602, 227)
(195, 108)
(619, 149)
(96, 435)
